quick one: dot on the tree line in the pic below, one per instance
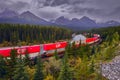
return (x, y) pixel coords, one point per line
(104, 32)
(12, 33)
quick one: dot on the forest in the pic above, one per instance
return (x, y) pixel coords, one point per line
(78, 63)
(11, 34)
(104, 32)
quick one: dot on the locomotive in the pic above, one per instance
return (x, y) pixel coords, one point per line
(49, 49)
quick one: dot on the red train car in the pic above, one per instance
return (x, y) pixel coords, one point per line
(92, 40)
(50, 48)
(53, 46)
(34, 50)
(44, 49)
(5, 52)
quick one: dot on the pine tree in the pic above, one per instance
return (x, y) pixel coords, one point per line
(69, 49)
(12, 63)
(39, 67)
(20, 73)
(56, 55)
(91, 67)
(2, 67)
(65, 73)
(13, 57)
(115, 38)
(93, 50)
(27, 59)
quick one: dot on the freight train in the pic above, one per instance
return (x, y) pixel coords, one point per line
(46, 50)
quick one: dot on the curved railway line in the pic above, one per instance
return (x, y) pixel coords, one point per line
(47, 50)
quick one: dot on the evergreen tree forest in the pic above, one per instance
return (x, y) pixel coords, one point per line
(77, 63)
(104, 32)
(11, 34)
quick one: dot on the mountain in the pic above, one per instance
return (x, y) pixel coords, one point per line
(83, 23)
(33, 19)
(9, 16)
(25, 18)
(62, 21)
(29, 16)
(87, 21)
(109, 23)
(112, 23)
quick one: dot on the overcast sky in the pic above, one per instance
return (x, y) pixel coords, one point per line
(99, 10)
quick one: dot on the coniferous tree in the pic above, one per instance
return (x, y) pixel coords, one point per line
(69, 49)
(91, 67)
(12, 63)
(13, 57)
(27, 59)
(93, 50)
(115, 38)
(20, 73)
(56, 55)
(2, 67)
(30, 34)
(39, 67)
(65, 73)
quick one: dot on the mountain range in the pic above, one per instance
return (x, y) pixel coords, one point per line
(9, 16)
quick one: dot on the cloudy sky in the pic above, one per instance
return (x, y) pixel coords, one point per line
(99, 10)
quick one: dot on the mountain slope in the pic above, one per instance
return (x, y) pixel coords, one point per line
(83, 23)
(24, 18)
(8, 14)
